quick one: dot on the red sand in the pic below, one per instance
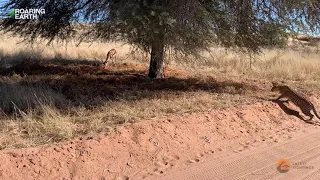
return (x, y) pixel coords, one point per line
(155, 146)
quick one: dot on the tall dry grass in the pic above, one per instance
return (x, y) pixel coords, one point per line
(13, 49)
(35, 114)
(294, 63)
(290, 64)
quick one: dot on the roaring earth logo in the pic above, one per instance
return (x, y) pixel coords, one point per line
(26, 13)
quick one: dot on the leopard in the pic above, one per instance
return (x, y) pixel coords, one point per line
(296, 98)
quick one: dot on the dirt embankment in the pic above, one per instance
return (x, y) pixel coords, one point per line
(153, 147)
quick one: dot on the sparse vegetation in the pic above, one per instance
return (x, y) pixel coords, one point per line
(185, 26)
(60, 94)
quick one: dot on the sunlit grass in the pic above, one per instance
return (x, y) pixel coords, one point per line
(38, 109)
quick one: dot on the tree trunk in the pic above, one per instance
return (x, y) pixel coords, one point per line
(156, 69)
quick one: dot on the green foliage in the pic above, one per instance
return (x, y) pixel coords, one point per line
(189, 26)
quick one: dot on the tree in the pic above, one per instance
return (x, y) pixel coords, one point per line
(187, 26)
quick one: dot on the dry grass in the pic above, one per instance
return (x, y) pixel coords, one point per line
(59, 93)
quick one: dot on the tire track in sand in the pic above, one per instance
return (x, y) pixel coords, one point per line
(258, 163)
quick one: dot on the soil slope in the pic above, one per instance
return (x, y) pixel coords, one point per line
(157, 147)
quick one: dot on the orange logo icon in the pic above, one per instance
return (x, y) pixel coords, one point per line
(283, 165)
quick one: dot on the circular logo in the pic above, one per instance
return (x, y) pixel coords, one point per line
(283, 165)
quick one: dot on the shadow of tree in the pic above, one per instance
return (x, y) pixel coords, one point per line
(34, 56)
(91, 86)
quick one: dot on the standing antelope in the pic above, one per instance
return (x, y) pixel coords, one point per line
(112, 53)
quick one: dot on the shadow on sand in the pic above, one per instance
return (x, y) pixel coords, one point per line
(292, 112)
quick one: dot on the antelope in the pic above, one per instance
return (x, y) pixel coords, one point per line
(112, 53)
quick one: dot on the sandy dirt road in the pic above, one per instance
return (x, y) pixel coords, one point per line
(302, 152)
(243, 142)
